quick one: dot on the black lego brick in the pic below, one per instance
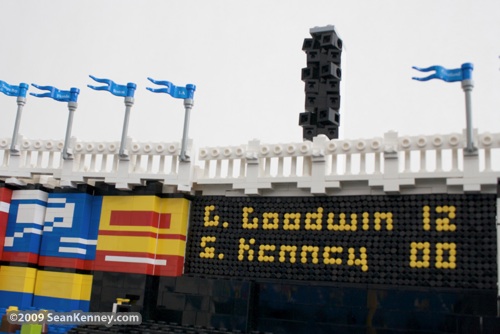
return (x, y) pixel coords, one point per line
(173, 301)
(330, 40)
(167, 283)
(333, 101)
(308, 132)
(314, 102)
(310, 72)
(312, 86)
(330, 86)
(307, 119)
(332, 55)
(314, 56)
(187, 284)
(330, 71)
(310, 44)
(328, 116)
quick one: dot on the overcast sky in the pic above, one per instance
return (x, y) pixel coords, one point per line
(245, 58)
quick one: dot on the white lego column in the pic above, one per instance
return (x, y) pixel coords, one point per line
(318, 172)
(253, 168)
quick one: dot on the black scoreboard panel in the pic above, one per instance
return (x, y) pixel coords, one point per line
(437, 240)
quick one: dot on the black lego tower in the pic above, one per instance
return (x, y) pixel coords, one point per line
(322, 83)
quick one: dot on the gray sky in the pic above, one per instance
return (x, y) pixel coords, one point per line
(245, 58)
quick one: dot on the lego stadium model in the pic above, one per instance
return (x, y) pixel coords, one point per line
(394, 234)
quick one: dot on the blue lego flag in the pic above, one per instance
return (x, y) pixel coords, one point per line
(115, 89)
(174, 91)
(56, 94)
(12, 90)
(457, 74)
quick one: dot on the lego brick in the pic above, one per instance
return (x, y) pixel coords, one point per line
(307, 119)
(330, 71)
(174, 301)
(31, 329)
(171, 247)
(313, 56)
(310, 72)
(308, 132)
(23, 300)
(310, 44)
(332, 86)
(331, 131)
(128, 242)
(312, 86)
(330, 40)
(329, 116)
(63, 285)
(313, 103)
(332, 55)
(17, 279)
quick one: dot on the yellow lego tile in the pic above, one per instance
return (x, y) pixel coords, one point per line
(17, 279)
(63, 285)
(174, 205)
(171, 247)
(126, 243)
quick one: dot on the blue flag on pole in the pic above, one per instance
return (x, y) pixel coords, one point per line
(56, 94)
(115, 89)
(172, 90)
(12, 90)
(457, 74)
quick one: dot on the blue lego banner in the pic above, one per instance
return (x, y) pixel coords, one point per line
(115, 89)
(12, 90)
(25, 226)
(453, 75)
(70, 230)
(57, 94)
(177, 92)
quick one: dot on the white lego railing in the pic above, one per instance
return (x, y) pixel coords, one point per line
(41, 161)
(387, 164)
(322, 166)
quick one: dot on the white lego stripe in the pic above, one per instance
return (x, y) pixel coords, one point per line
(130, 259)
(30, 194)
(48, 228)
(4, 207)
(8, 242)
(18, 234)
(72, 250)
(57, 200)
(79, 241)
(30, 214)
(32, 230)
